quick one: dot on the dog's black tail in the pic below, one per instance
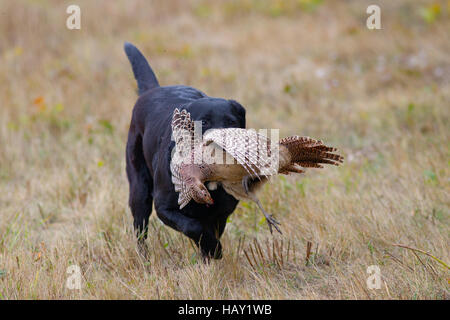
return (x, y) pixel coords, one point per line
(144, 75)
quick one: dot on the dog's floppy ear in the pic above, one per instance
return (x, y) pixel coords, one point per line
(240, 111)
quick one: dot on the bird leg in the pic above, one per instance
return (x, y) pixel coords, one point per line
(269, 218)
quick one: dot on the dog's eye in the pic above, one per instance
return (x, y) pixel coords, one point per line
(205, 123)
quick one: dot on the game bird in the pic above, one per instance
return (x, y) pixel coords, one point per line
(241, 160)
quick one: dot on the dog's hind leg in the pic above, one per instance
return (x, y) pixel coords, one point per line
(141, 188)
(140, 202)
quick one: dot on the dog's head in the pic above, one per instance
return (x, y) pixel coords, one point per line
(217, 113)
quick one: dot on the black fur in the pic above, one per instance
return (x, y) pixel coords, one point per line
(148, 154)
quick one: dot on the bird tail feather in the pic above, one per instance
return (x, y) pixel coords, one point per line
(308, 153)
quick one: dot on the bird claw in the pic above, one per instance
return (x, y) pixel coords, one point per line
(272, 222)
(245, 184)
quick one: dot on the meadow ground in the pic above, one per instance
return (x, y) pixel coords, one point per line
(307, 67)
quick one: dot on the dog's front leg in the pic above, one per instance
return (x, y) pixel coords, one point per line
(193, 228)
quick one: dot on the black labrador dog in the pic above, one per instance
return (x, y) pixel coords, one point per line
(148, 155)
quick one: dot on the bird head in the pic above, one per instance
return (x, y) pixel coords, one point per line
(201, 194)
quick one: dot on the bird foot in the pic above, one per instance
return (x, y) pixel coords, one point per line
(272, 222)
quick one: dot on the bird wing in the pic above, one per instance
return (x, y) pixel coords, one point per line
(183, 134)
(250, 149)
(182, 126)
(180, 186)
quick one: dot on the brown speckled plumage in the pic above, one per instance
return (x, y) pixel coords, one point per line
(254, 161)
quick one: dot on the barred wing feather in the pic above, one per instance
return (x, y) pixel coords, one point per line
(183, 134)
(250, 149)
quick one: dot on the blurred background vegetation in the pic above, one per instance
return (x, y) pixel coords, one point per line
(307, 67)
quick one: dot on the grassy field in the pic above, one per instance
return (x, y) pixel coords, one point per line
(307, 67)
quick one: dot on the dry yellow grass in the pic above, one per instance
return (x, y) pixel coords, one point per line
(382, 97)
